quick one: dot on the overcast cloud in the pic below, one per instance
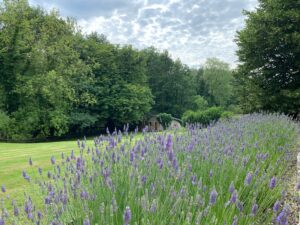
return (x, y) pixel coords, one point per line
(191, 30)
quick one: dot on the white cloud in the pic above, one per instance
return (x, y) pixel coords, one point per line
(191, 30)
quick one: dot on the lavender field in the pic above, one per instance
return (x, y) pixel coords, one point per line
(232, 172)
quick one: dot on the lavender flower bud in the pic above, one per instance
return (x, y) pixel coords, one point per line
(248, 179)
(254, 209)
(3, 189)
(235, 221)
(40, 215)
(169, 144)
(16, 211)
(127, 215)
(231, 188)
(282, 218)
(298, 187)
(272, 183)
(86, 221)
(53, 160)
(234, 197)
(213, 197)
(276, 206)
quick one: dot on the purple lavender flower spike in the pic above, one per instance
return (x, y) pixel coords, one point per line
(194, 179)
(276, 206)
(3, 189)
(234, 197)
(131, 156)
(53, 160)
(24, 173)
(2, 222)
(30, 216)
(240, 206)
(248, 179)
(282, 218)
(47, 200)
(231, 188)
(40, 215)
(40, 171)
(16, 211)
(127, 215)
(86, 221)
(272, 183)
(235, 221)
(84, 195)
(169, 144)
(254, 209)
(213, 197)
(298, 187)
(175, 165)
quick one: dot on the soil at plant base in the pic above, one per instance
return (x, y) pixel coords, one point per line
(293, 195)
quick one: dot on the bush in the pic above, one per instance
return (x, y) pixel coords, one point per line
(188, 116)
(165, 119)
(204, 117)
(227, 115)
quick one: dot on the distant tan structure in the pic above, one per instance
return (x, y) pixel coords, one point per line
(155, 125)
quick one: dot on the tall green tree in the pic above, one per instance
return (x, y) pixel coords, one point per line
(170, 81)
(218, 79)
(269, 55)
(121, 89)
(40, 70)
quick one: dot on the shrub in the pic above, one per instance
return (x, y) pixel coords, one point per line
(165, 119)
(204, 117)
(188, 116)
(227, 115)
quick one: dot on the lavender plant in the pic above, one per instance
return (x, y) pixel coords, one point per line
(230, 173)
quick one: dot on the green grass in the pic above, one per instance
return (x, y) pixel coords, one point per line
(14, 159)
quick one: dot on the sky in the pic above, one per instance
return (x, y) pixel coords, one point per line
(191, 30)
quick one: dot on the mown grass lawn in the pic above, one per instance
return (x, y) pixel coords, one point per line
(14, 159)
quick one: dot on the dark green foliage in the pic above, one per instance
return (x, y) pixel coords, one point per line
(170, 81)
(269, 51)
(203, 117)
(55, 81)
(164, 119)
(4, 124)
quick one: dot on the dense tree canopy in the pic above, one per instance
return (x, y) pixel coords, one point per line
(55, 81)
(218, 79)
(269, 51)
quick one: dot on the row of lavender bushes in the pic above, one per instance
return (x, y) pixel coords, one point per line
(229, 173)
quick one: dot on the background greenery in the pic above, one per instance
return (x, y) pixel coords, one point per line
(57, 82)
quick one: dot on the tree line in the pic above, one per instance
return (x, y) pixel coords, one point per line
(56, 81)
